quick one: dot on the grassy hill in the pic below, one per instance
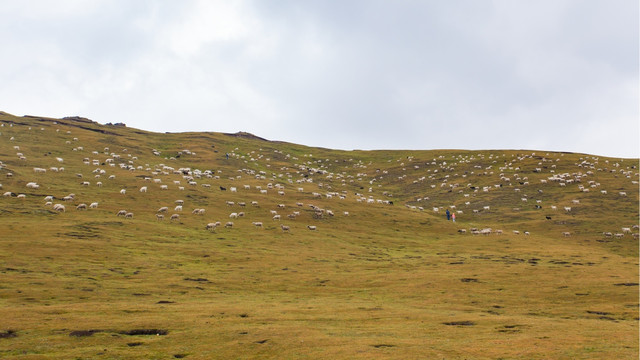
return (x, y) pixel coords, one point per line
(383, 275)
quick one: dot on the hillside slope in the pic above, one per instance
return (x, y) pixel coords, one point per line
(383, 274)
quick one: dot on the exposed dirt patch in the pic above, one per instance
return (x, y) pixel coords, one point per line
(8, 334)
(460, 323)
(83, 333)
(145, 332)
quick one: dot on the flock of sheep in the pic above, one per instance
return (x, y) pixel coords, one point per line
(431, 178)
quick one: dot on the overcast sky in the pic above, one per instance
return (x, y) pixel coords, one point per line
(345, 74)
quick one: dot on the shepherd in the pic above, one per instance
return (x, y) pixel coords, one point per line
(448, 214)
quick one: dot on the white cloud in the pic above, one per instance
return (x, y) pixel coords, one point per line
(557, 75)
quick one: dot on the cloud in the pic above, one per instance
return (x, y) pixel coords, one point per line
(556, 75)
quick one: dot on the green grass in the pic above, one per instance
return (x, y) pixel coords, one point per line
(387, 281)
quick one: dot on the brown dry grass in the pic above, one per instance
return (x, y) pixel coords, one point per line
(384, 282)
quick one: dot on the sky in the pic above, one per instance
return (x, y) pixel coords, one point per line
(555, 75)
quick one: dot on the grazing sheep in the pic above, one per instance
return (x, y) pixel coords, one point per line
(257, 224)
(607, 234)
(567, 209)
(81, 207)
(178, 208)
(8, 193)
(228, 224)
(122, 213)
(626, 230)
(128, 215)
(99, 183)
(143, 189)
(462, 231)
(622, 193)
(311, 227)
(174, 217)
(163, 209)
(59, 208)
(123, 191)
(21, 196)
(233, 215)
(159, 217)
(211, 226)
(566, 234)
(619, 235)
(179, 202)
(164, 187)
(285, 228)
(276, 217)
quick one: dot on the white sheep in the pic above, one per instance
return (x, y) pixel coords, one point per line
(285, 228)
(123, 191)
(178, 208)
(128, 215)
(228, 224)
(311, 227)
(81, 207)
(211, 226)
(257, 224)
(121, 213)
(59, 208)
(233, 215)
(143, 189)
(174, 217)
(159, 217)
(93, 205)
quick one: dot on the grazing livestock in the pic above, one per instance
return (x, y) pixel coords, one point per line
(159, 217)
(311, 227)
(128, 215)
(211, 226)
(59, 208)
(174, 217)
(122, 213)
(257, 224)
(228, 224)
(81, 207)
(285, 228)
(143, 189)
(163, 209)
(566, 234)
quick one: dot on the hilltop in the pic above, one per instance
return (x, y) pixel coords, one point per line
(542, 261)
